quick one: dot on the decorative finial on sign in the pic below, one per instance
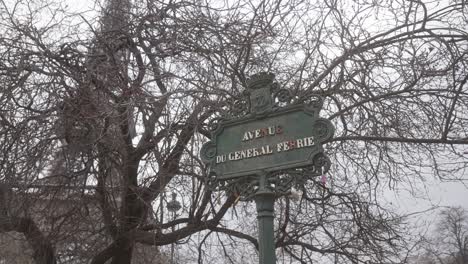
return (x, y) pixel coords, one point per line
(260, 80)
(260, 86)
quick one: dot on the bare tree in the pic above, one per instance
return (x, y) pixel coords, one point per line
(104, 113)
(449, 244)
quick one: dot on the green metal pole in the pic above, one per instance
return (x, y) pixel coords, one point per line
(265, 200)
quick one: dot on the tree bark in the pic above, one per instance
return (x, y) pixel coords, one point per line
(43, 251)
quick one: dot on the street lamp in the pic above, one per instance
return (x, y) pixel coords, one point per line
(173, 206)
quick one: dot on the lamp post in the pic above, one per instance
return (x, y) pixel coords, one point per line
(173, 206)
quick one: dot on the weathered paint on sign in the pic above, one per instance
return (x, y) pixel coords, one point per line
(282, 140)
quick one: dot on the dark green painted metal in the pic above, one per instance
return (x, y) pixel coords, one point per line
(297, 122)
(265, 200)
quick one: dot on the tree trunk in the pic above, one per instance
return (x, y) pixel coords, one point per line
(123, 256)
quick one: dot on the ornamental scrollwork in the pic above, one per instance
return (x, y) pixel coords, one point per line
(279, 182)
(208, 151)
(239, 108)
(283, 96)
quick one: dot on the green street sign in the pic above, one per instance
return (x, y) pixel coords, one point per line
(285, 139)
(268, 138)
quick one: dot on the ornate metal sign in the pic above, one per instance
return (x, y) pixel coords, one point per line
(262, 150)
(274, 135)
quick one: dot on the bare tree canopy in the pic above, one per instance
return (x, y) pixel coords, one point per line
(448, 243)
(103, 113)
